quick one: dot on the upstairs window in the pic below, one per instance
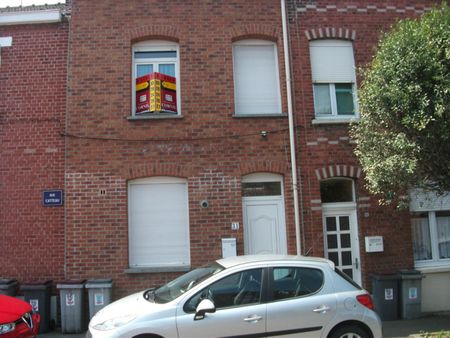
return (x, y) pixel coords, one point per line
(156, 79)
(333, 75)
(256, 78)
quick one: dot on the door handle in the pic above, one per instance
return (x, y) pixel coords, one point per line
(356, 263)
(252, 319)
(322, 309)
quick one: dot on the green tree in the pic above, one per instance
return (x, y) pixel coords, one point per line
(403, 136)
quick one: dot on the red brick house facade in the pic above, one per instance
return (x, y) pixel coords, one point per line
(33, 80)
(149, 195)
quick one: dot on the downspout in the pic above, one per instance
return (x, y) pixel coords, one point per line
(291, 127)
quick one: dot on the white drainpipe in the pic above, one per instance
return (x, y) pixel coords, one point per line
(291, 128)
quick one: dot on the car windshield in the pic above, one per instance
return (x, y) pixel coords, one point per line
(180, 285)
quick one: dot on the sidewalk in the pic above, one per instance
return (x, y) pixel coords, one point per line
(417, 327)
(392, 329)
(57, 334)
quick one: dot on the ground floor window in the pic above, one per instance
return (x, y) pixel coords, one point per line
(158, 222)
(431, 237)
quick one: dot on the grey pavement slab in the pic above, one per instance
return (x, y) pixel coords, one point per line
(57, 334)
(417, 327)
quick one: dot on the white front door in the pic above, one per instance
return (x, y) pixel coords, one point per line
(263, 211)
(341, 238)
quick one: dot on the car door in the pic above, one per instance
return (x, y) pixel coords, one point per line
(239, 310)
(300, 302)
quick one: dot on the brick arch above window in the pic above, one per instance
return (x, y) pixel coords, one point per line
(251, 167)
(255, 31)
(341, 170)
(330, 33)
(160, 32)
(150, 170)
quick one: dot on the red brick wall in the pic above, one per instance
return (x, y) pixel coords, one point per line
(324, 146)
(32, 105)
(203, 146)
(207, 146)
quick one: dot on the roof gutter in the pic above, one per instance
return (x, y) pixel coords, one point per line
(291, 128)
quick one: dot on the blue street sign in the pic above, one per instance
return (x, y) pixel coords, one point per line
(51, 198)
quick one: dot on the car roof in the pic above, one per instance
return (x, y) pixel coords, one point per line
(248, 259)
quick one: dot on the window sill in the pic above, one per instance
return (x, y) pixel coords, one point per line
(337, 120)
(435, 268)
(158, 116)
(157, 269)
(236, 115)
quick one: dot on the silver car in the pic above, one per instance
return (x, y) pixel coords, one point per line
(246, 296)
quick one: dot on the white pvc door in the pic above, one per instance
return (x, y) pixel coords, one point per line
(341, 240)
(263, 211)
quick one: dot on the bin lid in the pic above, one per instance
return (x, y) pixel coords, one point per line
(99, 283)
(6, 281)
(395, 276)
(6, 284)
(71, 284)
(36, 285)
(410, 274)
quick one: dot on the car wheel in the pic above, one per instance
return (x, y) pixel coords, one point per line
(350, 331)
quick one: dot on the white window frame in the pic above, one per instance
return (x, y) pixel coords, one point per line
(333, 101)
(155, 46)
(155, 265)
(276, 80)
(333, 116)
(429, 202)
(435, 261)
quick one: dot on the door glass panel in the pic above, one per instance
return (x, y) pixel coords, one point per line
(334, 257)
(336, 190)
(346, 258)
(345, 241)
(261, 189)
(332, 241)
(344, 223)
(348, 272)
(331, 223)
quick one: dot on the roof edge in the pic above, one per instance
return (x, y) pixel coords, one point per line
(37, 16)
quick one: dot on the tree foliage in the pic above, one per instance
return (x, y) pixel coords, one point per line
(403, 136)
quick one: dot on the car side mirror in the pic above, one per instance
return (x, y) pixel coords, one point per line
(205, 306)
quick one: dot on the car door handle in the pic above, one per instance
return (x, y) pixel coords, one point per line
(252, 319)
(322, 309)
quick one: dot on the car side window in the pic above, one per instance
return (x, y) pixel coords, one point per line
(290, 282)
(238, 289)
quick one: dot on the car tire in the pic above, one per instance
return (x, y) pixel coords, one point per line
(349, 331)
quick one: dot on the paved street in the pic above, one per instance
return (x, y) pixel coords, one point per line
(392, 329)
(414, 328)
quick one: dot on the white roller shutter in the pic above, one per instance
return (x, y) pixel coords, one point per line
(256, 80)
(158, 226)
(332, 61)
